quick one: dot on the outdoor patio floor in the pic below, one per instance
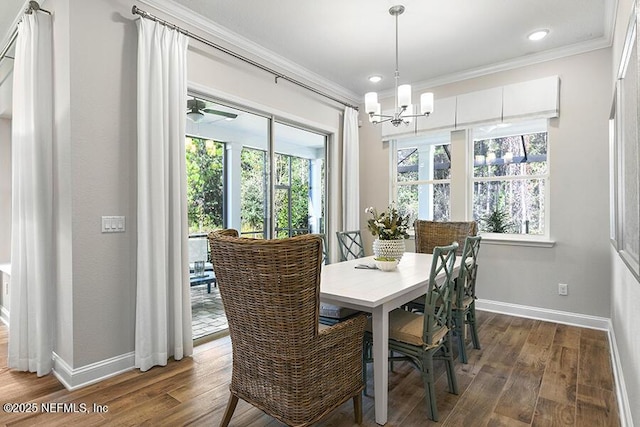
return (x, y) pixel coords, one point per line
(207, 312)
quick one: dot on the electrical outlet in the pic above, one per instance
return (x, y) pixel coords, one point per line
(563, 289)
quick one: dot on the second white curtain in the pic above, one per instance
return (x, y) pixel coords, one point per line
(163, 305)
(32, 304)
(350, 171)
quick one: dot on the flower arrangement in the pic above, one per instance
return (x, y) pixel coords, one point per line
(388, 225)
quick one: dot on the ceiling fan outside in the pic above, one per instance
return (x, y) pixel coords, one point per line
(197, 107)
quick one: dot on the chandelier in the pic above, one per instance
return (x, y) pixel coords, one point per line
(403, 112)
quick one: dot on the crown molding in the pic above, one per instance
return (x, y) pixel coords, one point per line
(511, 64)
(221, 33)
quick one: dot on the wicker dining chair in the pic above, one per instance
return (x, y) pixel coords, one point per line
(424, 337)
(430, 234)
(464, 305)
(284, 363)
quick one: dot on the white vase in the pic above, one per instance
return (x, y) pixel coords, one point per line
(388, 248)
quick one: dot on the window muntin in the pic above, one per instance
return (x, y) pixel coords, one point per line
(423, 178)
(510, 180)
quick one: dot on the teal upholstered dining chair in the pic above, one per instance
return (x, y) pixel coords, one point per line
(424, 337)
(350, 244)
(464, 305)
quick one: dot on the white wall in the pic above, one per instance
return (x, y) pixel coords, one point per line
(625, 289)
(578, 153)
(95, 45)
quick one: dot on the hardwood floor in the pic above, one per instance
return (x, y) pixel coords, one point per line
(528, 373)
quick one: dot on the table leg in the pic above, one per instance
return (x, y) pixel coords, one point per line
(380, 324)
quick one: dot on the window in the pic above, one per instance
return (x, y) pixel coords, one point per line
(253, 193)
(252, 173)
(510, 178)
(205, 184)
(299, 197)
(423, 178)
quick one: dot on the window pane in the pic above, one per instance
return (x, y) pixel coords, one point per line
(513, 206)
(424, 163)
(205, 160)
(299, 181)
(424, 201)
(518, 155)
(253, 193)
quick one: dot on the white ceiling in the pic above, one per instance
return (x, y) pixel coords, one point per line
(440, 41)
(344, 42)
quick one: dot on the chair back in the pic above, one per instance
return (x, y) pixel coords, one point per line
(270, 290)
(430, 234)
(437, 308)
(466, 281)
(325, 249)
(350, 244)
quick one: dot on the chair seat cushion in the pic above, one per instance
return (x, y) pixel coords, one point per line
(335, 311)
(466, 303)
(405, 326)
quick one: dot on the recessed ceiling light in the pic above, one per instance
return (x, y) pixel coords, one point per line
(375, 79)
(538, 35)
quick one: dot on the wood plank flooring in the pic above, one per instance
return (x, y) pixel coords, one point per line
(528, 373)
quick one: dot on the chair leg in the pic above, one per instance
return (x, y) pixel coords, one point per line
(429, 387)
(357, 408)
(365, 359)
(471, 321)
(459, 331)
(231, 406)
(451, 368)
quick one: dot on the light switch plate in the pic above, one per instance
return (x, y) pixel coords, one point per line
(113, 224)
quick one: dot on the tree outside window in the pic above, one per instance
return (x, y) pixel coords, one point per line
(423, 181)
(205, 184)
(510, 176)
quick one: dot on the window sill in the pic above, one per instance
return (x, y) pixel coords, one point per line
(514, 240)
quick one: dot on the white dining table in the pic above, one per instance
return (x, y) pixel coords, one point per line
(377, 292)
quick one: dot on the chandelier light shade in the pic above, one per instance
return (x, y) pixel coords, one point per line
(404, 111)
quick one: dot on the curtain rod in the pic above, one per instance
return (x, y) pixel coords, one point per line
(33, 6)
(136, 11)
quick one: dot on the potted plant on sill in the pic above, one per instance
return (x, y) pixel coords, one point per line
(390, 229)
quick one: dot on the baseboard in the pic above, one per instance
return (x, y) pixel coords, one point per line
(624, 407)
(77, 378)
(575, 319)
(565, 317)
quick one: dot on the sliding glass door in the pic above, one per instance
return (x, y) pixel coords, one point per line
(250, 172)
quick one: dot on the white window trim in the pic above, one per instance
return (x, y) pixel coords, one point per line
(466, 192)
(515, 239)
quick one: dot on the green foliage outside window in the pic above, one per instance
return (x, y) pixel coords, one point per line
(205, 188)
(253, 192)
(292, 195)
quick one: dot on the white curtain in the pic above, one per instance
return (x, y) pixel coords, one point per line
(163, 306)
(32, 304)
(350, 171)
